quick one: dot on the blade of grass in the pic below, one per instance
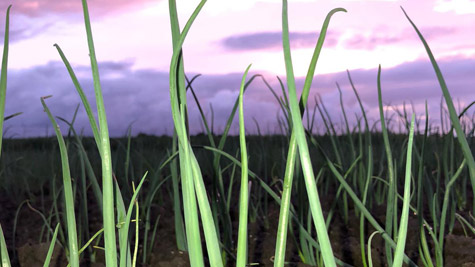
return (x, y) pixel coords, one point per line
(424, 248)
(125, 258)
(463, 221)
(209, 226)
(12, 116)
(147, 250)
(137, 219)
(84, 215)
(5, 259)
(274, 196)
(298, 129)
(369, 162)
(97, 234)
(105, 152)
(347, 126)
(403, 225)
(127, 163)
(370, 259)
(218, 186)
(51, 247)
(244, 195)
(365, 211)
(191, 174)
(359, 205)
(420, 173)
(178, 217)
(229, 122)
(445, 204)
(365, 195)
(68, 192)
(85, 102)
(331, 132)
(126, 225)
(450, 105)
(88, 243)
(45, 221)
(225, 217)
(188, 191)
(3, 74)
(391, 198)
(88, 166)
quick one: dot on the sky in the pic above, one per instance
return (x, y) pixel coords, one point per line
(133, 47)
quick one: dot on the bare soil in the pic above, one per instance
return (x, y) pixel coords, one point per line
(27, 251)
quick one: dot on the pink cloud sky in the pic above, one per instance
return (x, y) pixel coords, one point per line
(371, 33)
(228, 36)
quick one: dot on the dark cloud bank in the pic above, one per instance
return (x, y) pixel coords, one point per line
(141, 97)
(273, 40)
(368, 41)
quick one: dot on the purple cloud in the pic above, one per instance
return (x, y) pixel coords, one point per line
(138, 97)
(381, 37)
(23, 27)
(141, 97)
(273, 40)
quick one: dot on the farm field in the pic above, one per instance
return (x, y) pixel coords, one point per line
(31, 171)
(389, 191)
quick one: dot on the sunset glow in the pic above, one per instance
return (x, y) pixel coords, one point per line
(134, 36)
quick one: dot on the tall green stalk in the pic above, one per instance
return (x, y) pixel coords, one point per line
(82, 95)
(443, 216)
(181, 237)
(51, 247)
(365, 212)
(178, 217)
(68, 192)
(193, 186)
(244, 195)
(391, 200)
(369, 170)
(307, 168)
(403, 226)
(125, 258)
(281, 241)
(188, 191)
(3, 74)
(4, 258)
(105, 152)
(124, 247)
(450, 105)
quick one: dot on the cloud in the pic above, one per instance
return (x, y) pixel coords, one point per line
(273, 40)
(141, 97)
(360, 41)
(39, 7)
(436, 31)
(364, 41)
(381, 37)
(457, 6)
(409, 83)
(22, 27)
(138, 97)
(369, 0)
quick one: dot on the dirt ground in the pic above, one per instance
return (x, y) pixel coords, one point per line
(26, 251)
